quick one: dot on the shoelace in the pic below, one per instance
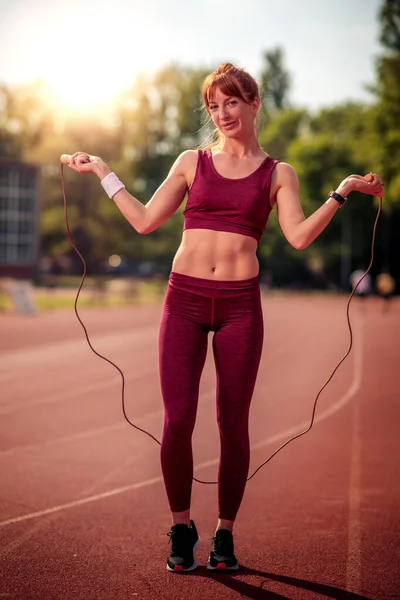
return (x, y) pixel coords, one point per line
(223, 545)
(178, 541)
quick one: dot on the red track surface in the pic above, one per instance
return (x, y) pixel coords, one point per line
(83, 512)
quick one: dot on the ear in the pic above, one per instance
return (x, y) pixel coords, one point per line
(256, 104)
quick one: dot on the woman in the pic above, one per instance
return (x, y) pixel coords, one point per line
(232, 187)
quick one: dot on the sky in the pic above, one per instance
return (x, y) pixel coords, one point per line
(89, 50)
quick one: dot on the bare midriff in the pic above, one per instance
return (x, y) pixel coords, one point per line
(218, 255)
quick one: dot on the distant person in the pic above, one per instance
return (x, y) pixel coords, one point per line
(266, 281)
(385, 286)
(232, 186)
(47, 271)
(364, 288)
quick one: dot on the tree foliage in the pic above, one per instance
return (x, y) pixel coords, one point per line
(389, 15)
(159, 116)
(274, 81)
(25, 120)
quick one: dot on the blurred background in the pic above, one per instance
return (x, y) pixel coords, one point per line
(122, 80)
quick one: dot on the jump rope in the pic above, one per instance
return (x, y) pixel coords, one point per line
(122, 374)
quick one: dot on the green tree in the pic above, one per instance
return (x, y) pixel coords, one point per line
(387, 130)
(324, 149)
(157, 118)
(25, 120)
(274, 81)
(281, 129)
(388, 106)
(390, 25)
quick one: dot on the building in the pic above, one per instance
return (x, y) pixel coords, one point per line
(19, 219)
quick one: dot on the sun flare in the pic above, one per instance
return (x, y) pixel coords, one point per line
(85, 56)
(72, 90)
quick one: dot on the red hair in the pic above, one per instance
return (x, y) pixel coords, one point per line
(232, 81)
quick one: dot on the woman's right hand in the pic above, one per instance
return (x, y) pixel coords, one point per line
(85, 163)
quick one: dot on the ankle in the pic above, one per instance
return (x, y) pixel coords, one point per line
(181, 518)
(225, 524)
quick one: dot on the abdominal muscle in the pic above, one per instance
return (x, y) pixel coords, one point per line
(218, 255)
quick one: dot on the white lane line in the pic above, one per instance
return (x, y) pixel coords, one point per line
(39, 356)
(93, 432)
(74, 503)
(73, 392)
(59, 354)
(78, 436)
(353, 563)
(56, 397)
(21, 539)
(331, 410)
(357, 370)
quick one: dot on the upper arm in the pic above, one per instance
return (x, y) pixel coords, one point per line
(290, 212)
(169, 196)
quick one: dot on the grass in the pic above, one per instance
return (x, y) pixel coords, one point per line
(95, 293)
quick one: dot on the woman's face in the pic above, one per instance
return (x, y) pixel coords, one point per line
(232, 115)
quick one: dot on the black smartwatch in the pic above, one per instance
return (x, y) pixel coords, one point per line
(338, 197)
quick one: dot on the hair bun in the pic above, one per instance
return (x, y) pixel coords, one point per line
(225, 68)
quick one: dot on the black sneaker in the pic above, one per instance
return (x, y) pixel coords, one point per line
(184, 542)
(222, 555)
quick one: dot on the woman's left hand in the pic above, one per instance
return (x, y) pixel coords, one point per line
(367, 184)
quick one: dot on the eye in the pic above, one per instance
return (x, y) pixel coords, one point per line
(232, 102)
(212, 106)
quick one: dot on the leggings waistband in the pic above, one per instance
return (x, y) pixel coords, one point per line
(209, 287)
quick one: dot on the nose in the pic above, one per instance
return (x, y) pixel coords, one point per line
(224, 113)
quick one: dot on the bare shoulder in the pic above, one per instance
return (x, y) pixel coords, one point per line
(186, 161)
(285, 173)
(284, 176)
(185, 166)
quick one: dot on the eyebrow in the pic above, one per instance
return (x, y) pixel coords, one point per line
(214, 102)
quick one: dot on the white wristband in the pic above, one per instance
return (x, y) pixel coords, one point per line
(111, 184)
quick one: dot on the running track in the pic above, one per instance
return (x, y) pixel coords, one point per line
(83, 512)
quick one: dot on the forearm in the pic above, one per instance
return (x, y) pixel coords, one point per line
(132, 209)
(301, 232)
(309, 229)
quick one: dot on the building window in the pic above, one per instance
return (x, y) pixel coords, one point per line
(18, 214)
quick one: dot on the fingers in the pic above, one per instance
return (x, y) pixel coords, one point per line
(81, 159)
(354, 176)
(377, 188)
(370, 184)
(370, 177)
(76, 161)
(373, 178)
(72, 159)
(377, 185)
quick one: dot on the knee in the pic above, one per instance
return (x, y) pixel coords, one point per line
(179, 425)
(233, 429)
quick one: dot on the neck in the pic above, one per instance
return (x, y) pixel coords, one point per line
(241, 147)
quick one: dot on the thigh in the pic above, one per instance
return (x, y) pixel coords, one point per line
(182, 352)
(237, 347)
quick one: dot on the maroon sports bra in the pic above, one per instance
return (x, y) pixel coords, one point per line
(223, 204)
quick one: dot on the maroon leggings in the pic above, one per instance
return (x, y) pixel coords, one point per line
(232, 310)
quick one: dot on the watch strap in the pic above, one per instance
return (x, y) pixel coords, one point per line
(338, 197)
